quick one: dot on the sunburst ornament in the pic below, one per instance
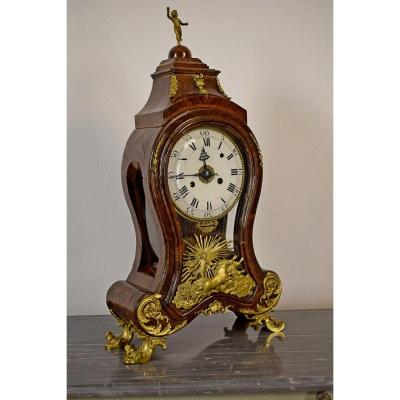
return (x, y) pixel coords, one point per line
(203, 254)
(210, 266)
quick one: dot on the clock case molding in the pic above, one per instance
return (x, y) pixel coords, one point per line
(142, 304)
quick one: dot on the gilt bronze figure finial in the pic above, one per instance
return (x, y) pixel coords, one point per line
(173, 16)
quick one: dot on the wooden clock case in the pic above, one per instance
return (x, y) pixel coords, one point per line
(186, 93)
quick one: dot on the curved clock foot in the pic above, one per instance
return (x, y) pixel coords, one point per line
(143, 353)
(116, 342)
(266, 320)
(271, 336)
(266, 345)
(273, 324)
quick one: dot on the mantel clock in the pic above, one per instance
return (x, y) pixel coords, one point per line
(191, 175)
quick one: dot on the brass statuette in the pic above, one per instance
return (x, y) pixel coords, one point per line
(173, 86)
(221, 89)
(173, 16)
(262, 314)
(199, 82)
(152, 319)
(215, 307)
(207, 270)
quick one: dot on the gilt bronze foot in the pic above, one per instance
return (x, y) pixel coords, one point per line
(114, 342)
(143, 353)
(267, 321)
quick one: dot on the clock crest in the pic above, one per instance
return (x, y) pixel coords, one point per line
(191, 175)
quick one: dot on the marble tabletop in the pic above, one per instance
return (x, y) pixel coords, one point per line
(214, 354)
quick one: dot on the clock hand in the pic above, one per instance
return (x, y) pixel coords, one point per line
(181, 175)
(204, 156)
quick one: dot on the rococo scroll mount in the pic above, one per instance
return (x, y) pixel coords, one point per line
(191, 175)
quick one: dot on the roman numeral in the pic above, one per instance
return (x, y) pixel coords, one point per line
(231, 187)
(230, 156)
(206, 141)
(184, 191)
(176, 196)
(192, 146)
(220, 144)
(209, 205)
(194, 202)
(182, 159)
(222, 200)
(234, 171)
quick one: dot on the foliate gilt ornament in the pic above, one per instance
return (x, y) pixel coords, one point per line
(152, 319)
(173, 86)
(199, 82)
(215, 307)
(262, 314)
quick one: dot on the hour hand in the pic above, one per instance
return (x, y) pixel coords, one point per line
(204, 156)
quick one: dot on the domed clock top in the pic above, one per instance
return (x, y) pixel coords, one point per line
(191, 175)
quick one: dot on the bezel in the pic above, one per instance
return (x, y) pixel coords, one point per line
(225, 132)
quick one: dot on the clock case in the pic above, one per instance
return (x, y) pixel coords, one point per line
(186, 94)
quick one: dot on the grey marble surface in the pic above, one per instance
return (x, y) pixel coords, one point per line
(213, 355)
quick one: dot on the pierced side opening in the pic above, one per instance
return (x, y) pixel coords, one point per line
(149, 259)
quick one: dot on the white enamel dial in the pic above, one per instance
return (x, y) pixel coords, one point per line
(205, 173)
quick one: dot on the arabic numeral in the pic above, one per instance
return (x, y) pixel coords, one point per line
(190, 210)
(174, 154)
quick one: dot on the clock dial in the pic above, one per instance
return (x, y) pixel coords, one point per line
(205, 173)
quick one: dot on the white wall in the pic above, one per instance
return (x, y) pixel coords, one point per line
(276, 62)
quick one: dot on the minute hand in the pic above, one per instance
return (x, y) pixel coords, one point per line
(181, 175)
